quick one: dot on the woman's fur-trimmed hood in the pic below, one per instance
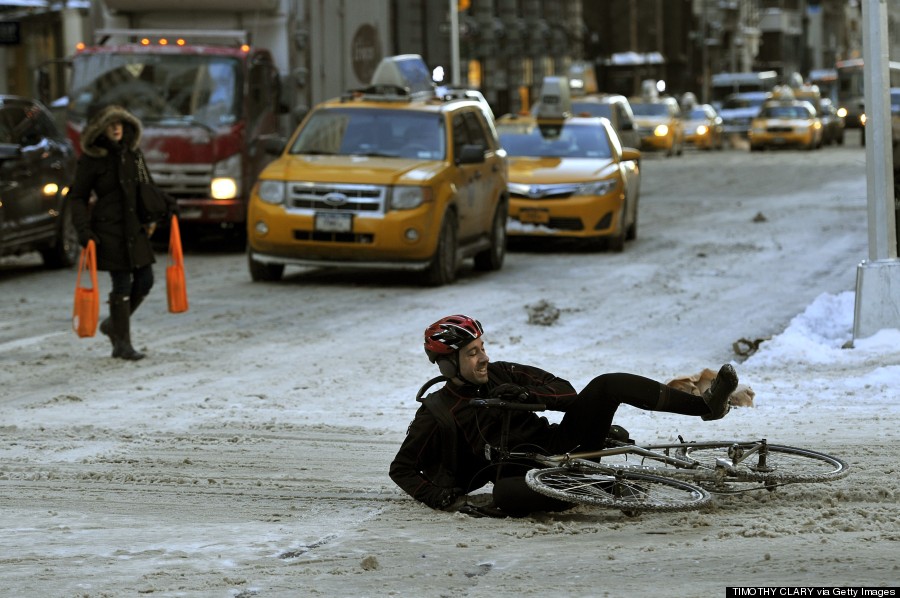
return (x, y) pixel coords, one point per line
(96, 127)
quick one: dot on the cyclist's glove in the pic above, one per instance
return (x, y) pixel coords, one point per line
(511, 392)
(447, 498)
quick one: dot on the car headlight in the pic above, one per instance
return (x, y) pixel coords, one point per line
(597, 187)
(842, 112)
(661, 130)
(408, 198)
(272, 192)
(702, 130)
(226, 181)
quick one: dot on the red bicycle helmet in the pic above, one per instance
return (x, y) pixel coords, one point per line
(447, 335)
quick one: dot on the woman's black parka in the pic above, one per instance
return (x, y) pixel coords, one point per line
(110, 171)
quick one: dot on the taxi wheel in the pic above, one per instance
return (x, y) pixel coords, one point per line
(442, 269)
(260, 272)
(492, 257)
(616, 242)
(631, 233)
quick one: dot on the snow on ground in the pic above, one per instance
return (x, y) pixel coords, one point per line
(248, 454)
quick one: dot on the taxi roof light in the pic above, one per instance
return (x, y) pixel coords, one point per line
(407, 71)
(554, 100)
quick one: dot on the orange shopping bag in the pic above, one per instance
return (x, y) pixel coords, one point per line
(86, 310)
(176, 290)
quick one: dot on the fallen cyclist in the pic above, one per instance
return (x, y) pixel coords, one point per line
(442, 459)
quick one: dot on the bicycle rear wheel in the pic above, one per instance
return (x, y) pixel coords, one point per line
(776, 464)
(626, 490)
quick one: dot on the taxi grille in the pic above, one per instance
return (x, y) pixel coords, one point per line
(346, 198)
(536, 192)
(780, 129)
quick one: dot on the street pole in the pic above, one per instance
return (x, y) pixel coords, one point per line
(454, 42)
(878, 278)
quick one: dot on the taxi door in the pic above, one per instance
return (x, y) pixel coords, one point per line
(475, 187)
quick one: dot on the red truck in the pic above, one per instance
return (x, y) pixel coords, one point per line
(207, 100)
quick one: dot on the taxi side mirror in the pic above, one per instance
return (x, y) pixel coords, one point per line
(471, 154)
(629, 153)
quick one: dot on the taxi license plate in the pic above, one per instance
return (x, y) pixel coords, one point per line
(334, 223)
(534, 216)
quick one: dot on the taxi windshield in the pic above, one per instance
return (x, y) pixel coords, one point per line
(785, 112)
(698, 114)
(650, 109)
(592, 109)
(564, 140)
(380, 133)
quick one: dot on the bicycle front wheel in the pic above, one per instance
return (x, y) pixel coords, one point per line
(775, 464)
(626, 490)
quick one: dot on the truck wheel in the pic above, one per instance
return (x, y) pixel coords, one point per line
(260, 272)
(492, 258)
(65, 249)
(442, 269)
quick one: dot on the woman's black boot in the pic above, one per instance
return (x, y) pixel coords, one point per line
(120, 314)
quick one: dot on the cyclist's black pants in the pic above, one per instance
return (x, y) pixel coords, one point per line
(584, 428)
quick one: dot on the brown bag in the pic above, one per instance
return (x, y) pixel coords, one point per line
(176, 289)
(86, 311)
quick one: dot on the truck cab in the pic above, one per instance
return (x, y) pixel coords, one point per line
(207, 102)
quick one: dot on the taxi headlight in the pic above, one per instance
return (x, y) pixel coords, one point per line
(597, 187)
(661, 130)
(702, 130)
(408, 198)
(272, 192)
(842, 112)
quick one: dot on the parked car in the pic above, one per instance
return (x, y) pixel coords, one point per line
(832, 124)
(659, 125)
(616, 109)
(703, 128)
(37, 163)
(569, 176)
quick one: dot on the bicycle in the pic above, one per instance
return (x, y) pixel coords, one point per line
(665, 477)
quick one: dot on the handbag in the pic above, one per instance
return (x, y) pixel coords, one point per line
(176, 289)
(86, 311)
(153, 202)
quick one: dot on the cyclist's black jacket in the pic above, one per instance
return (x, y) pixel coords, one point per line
(426, 466)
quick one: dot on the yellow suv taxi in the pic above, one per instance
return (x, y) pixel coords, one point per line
(391, 177)
(569, 177)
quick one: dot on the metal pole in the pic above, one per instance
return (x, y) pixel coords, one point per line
(454, 42)
(879, 162)
(878, 278)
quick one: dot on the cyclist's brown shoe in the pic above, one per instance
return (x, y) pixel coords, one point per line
(716, 397)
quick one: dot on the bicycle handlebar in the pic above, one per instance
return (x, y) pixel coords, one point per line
(504, 404)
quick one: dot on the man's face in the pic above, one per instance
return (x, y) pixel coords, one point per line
(473, 362)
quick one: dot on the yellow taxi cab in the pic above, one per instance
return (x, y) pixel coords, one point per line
(703, 128)
(390, 177)
(784, 121)
(658, 120)
(569, 176)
